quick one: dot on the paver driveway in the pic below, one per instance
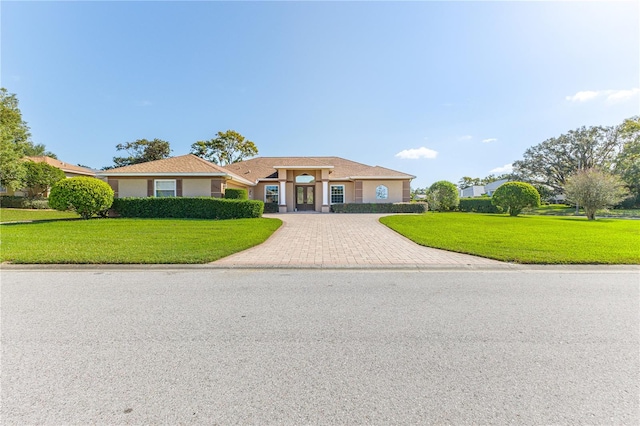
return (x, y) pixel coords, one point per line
(342, 240)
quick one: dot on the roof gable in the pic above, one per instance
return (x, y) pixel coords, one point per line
(258, 168)
(65, 167)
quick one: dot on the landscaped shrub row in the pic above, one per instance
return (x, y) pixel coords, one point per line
(13, 202)
(478, 205)
(236, 194)
(192, 208)
(380, 208)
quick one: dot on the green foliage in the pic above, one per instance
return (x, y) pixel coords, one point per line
(628, 164)
(443, 196)
(593, 189)
(40, 177)
(236, 194)
(10, 201)
(478, 205)
(525, 239)
(15, 142)
(142, 151)
(514, 196)
(271, 208)
(226, 148)
(182, 207)
(131, 241)
(379, 208)
(84, 195)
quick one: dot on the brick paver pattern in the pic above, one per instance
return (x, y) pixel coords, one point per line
(342, 240)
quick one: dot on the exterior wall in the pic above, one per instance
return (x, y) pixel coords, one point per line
(196, 187)
(132, 188)
(395, 188)
(472, 191)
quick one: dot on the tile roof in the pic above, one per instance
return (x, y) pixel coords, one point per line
(263, 167)
(65, 167)
(181, 165)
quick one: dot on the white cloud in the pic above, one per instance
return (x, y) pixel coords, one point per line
(507, 168)
(417, 153)
(144, 103)
(610, 96)
(489, 140)
(465, 138)
(583, 96)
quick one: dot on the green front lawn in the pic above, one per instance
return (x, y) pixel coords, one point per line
(525, 239)
(564, 210)
(20, 215)
(158, 241)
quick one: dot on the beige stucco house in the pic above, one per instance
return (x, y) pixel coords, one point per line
(293, 183)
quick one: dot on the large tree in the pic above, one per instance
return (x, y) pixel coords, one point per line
(142, 151)
(226, 148)
(628, 164)
(593, 189)
(15, 142)
(551, 162)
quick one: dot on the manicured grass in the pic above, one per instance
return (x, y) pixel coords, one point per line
(564, 210)
(525, 239)
(17, 215)
(131, 240)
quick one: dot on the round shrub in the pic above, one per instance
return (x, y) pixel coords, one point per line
(443, 196)
(515, 196)
(85, 195)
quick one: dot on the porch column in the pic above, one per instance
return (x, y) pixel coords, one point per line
(325, 196)
(283, 197)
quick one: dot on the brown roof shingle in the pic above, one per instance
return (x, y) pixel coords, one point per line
(263, 167)
(183, 164)
(65, 167)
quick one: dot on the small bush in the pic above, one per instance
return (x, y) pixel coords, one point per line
(380, 208)
(85, 195)
(191, 208)
(515, 196)
(271, 208)
(443, 196)
(236, 194)
(13, 202)
(478, 205)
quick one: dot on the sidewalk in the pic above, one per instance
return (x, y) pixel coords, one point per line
(342, 241)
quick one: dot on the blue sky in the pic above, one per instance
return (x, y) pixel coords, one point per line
(466, 87)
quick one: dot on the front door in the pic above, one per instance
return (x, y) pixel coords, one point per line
(305, 198)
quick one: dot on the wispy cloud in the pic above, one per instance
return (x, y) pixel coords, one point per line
(489, 140)
(417, 153)
(610, 96)
(465, 138)
(507, 168)
(144, 103)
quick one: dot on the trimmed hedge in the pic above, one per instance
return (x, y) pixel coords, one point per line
(271, 208)
(191, 208)
(236, 194)
(13, 202)
(478, 205)
(380, 208)
(86, 196)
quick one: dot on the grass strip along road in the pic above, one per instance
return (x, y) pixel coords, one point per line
(525, 239)
(131, 241)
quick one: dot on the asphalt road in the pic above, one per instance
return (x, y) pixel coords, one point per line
(204, 346)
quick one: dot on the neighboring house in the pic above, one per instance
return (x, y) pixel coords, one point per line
(69, 170)
(294, 183)
(480, 190)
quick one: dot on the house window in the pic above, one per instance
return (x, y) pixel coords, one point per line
(337, 194)
(271, 194)
(3, 189)
(305, 178)
(165, 188)
(382, 192)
